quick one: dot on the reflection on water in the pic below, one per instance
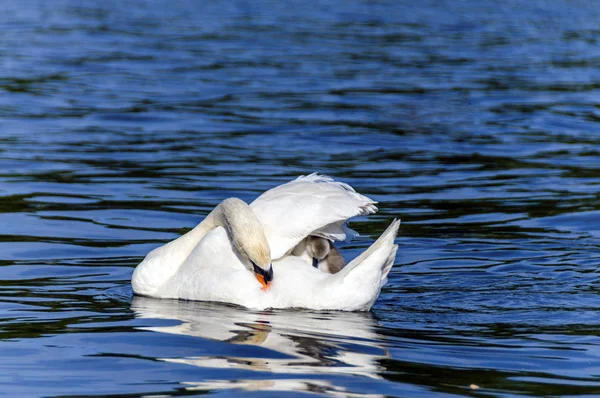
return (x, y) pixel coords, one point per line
(475, 122)
(290, 342)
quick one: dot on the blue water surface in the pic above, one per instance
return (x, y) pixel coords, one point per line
(122, 124)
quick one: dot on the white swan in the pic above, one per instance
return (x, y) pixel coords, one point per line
(228, 256)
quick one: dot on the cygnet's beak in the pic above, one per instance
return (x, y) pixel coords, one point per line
(264, 277)
(315, 262)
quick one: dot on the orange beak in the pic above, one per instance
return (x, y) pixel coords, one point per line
(263, 277)
(261, 280)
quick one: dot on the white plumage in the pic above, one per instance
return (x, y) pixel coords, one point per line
(212, 262)
(308, 205)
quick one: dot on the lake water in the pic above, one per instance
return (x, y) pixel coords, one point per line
(475, 122)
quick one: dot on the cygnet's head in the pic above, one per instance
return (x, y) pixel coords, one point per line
(317, 247)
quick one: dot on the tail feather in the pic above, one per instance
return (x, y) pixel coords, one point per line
(389, 263)
(384, 247)
(362, 279)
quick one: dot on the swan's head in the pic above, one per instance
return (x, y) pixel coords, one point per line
(248, 237)
(318, 248)
(255, 251)
(259, 254)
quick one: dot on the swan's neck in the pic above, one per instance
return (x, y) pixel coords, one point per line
(243, 229)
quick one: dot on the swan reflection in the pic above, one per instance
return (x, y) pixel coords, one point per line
(296, 342)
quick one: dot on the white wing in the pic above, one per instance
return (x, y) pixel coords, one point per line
(313, 204)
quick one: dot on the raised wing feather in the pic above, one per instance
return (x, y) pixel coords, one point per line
(313, 204)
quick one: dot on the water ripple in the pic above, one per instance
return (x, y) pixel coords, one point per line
(474, 122)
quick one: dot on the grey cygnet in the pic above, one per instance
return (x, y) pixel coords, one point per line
(324, 254)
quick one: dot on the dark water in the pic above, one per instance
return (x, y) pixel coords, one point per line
(476, 122)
